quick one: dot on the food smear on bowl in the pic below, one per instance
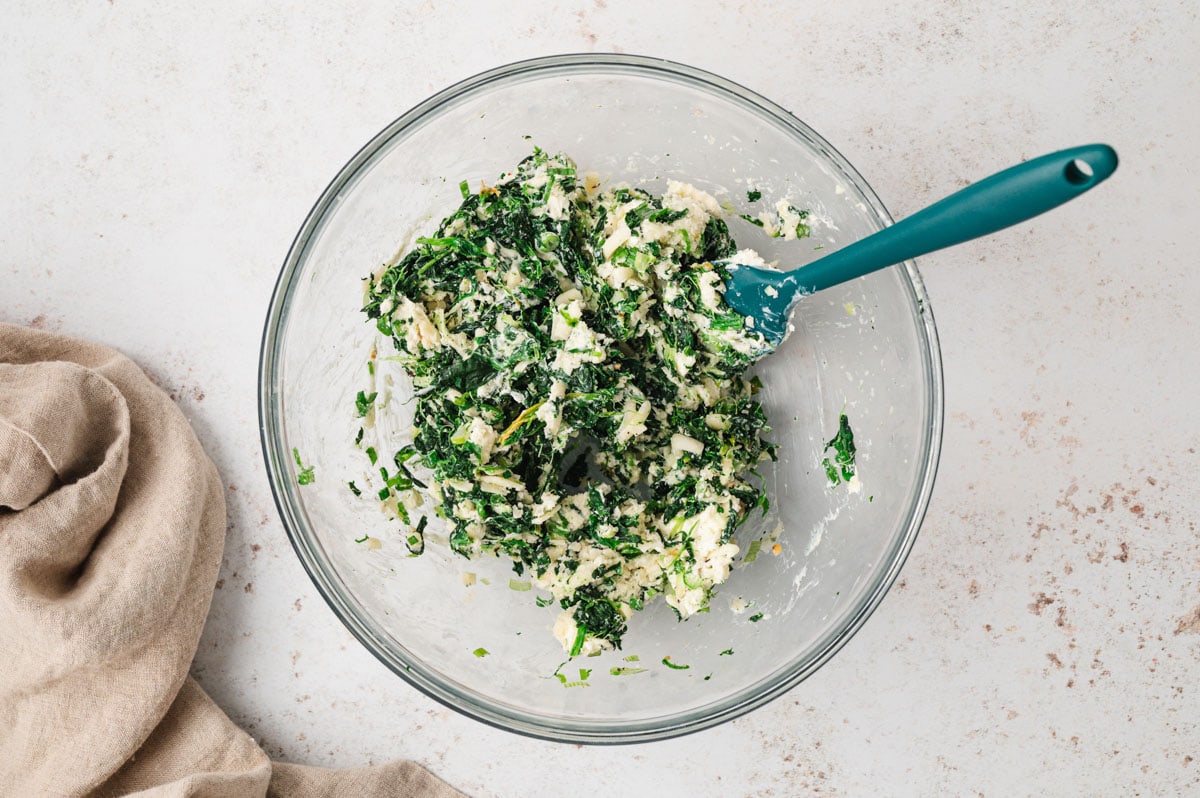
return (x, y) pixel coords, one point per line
(581, 398)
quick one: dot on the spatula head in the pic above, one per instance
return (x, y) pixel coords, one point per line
(764, 295)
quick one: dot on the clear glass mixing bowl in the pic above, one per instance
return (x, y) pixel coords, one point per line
(868, 348)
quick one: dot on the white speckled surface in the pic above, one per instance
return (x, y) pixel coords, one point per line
(1044, 637)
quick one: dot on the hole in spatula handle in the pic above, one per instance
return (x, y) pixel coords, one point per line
(1078, 172)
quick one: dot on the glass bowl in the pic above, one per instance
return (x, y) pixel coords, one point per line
(867, 349)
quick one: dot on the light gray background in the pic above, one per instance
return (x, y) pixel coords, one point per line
(1044, 637)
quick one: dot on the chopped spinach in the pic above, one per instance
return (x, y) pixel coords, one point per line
(842, 467)
(581, 400)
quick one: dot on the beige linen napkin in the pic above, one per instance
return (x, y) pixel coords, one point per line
(112, 520)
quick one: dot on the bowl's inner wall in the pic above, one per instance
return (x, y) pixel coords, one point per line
(857, 348)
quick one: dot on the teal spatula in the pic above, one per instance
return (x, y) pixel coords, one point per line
(1004, 199)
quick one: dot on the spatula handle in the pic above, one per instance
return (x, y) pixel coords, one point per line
(1004, 199)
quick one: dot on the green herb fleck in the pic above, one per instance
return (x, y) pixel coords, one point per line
(727, 652)
(305, 475)
(753, 195)
(565, 683)
(667, 661)
(518, 585)
(752, 551)
(363, 402)
(626, 671)
(480, 652)
(353, 488)
(363, 539)
(632, 658)
(756, 617)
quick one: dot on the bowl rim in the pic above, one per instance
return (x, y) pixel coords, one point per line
(277, 460)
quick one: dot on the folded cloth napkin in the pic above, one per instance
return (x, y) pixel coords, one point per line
(112, 520)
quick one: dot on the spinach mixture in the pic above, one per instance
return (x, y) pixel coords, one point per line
(582, 405)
